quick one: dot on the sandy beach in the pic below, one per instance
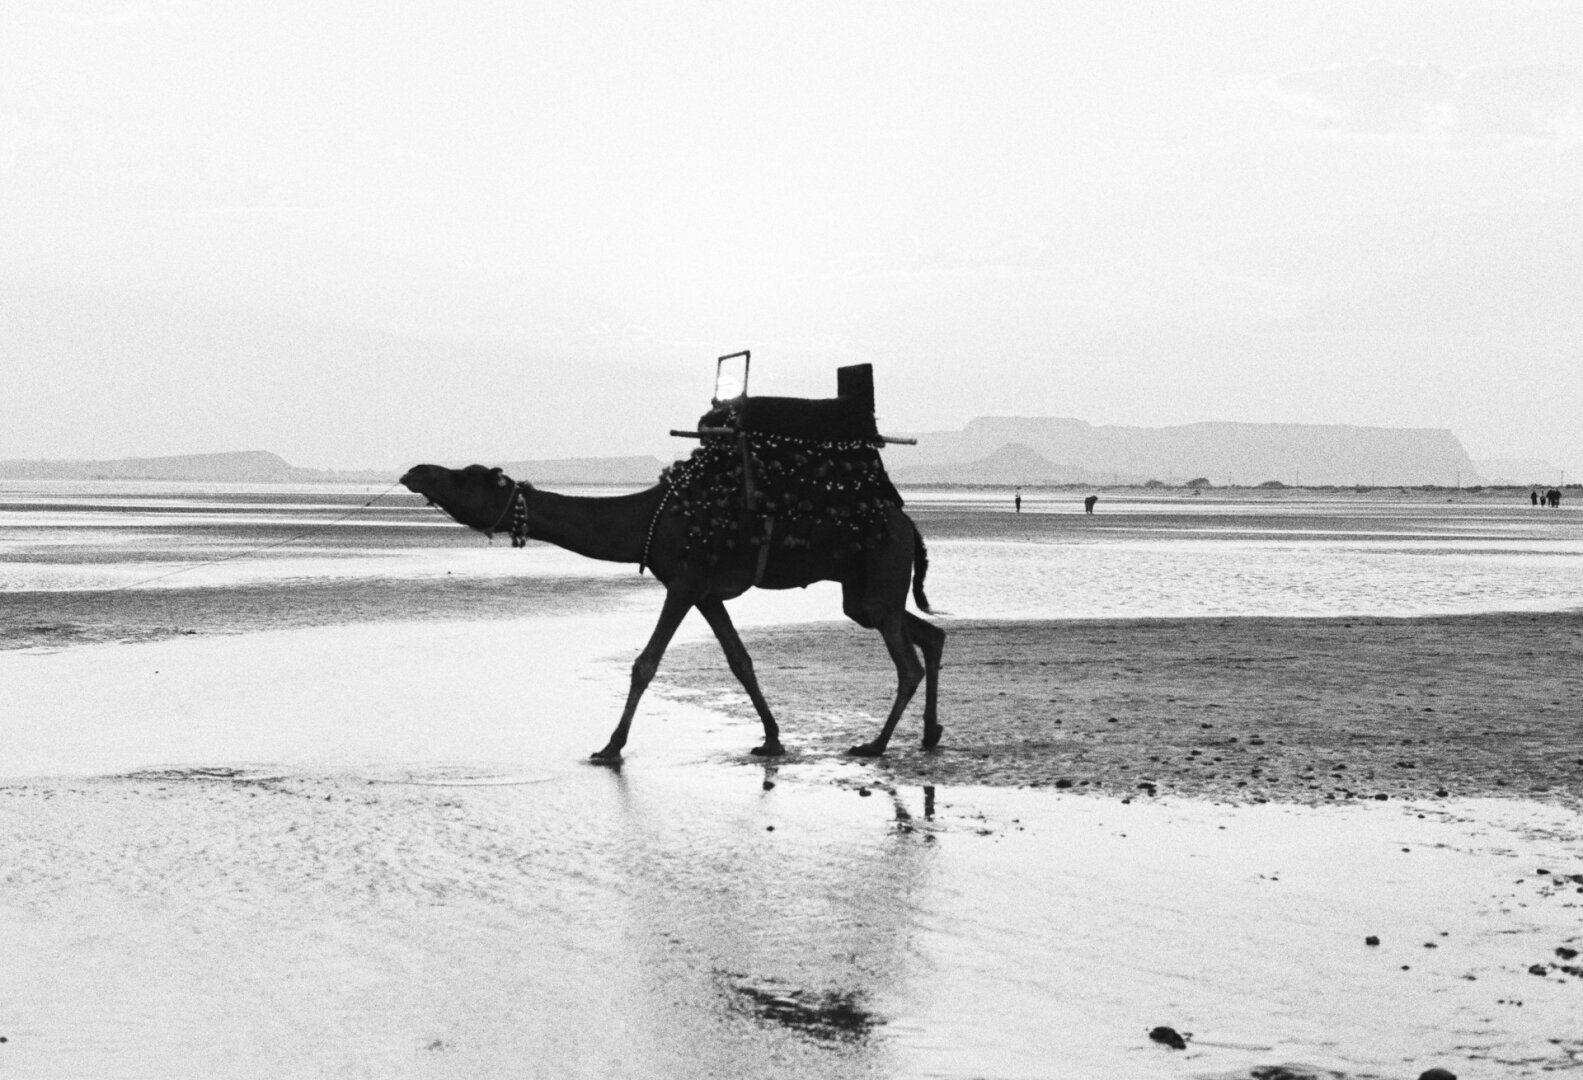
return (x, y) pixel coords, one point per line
(333, 817)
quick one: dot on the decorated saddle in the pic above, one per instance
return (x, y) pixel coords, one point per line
(777, 472)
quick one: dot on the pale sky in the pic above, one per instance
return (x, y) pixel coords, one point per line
(366, 234)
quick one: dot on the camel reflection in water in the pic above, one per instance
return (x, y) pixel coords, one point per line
(788, 947)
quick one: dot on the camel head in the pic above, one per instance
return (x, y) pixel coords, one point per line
(476, 496)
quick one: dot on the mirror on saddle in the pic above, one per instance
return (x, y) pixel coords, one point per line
(731, 376)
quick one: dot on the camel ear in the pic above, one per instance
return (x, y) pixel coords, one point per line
(500, 477)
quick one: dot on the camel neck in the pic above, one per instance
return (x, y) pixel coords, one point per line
(610, 528)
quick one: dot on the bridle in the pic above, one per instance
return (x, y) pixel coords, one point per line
(517, 507)
(648, 539)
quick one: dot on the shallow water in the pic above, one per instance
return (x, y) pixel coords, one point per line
(1289, 555)
(72, 553)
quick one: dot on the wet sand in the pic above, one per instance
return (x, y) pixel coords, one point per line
(1245, 710)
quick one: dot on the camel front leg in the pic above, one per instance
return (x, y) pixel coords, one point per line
(677, 603)
(909, 673)
(742, 667)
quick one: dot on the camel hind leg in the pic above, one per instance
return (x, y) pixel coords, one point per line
(930, 640)
(909, 673)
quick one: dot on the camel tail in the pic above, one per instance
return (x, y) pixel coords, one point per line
(920, 570)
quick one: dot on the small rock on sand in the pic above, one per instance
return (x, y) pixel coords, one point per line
(1437, 1074)
(1169, 1036)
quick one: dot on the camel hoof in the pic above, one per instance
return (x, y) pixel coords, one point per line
(931, 735)
(866, 750)
(769, 749)
(606, 756)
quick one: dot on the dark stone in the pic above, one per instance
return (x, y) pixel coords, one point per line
(1169, 1037)
(1538, 969)
(1371, 940)
(1565, 953)
(1437, 1073)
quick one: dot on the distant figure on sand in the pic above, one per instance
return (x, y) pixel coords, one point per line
(1017, 501)
(1553, 497)
(1088, 504)
(1533, 497)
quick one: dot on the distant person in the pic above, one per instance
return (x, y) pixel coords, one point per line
(1017, 501)
(1088, 504)
(1533, 497)
(1553, 497)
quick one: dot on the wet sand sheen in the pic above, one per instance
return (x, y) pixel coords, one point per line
(686, 922)
(423, 879)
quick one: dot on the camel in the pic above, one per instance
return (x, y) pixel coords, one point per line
(632, 529)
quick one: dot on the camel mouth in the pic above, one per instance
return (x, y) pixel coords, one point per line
(417, 480)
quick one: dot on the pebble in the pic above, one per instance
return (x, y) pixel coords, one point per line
(1371, 940)
(1437, 1073)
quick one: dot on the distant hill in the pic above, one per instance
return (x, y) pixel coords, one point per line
(239, 467)
(1031, 450)
(1012, 460)
(263, 467)
(989, 450)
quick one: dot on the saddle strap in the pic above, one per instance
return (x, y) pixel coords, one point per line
(764, 552)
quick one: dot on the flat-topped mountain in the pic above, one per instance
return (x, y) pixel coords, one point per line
(1033, 450)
